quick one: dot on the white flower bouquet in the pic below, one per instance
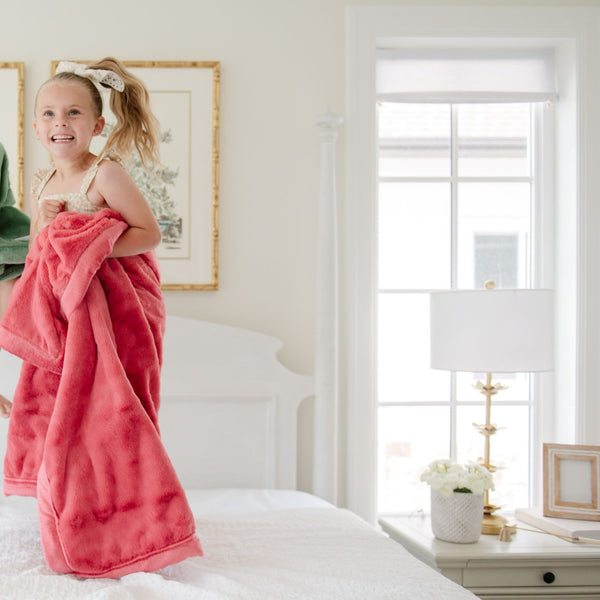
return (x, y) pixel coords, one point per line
(448, 477)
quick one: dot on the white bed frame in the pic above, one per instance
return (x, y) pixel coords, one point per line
(228, 414)
(229, 408)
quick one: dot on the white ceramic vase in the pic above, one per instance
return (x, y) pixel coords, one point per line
(456, 518)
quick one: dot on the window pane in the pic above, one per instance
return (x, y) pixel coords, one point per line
(403, 353)
(414, 140)
(509, 449)
(496, 259)
(494, 220)
(493, 139)
(409, 439)
(414, 235)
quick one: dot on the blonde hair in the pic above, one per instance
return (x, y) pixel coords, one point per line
(136, 128)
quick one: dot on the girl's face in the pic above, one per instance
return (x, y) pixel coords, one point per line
(66, 120)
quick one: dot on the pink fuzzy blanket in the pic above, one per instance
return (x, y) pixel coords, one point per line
(83, 434)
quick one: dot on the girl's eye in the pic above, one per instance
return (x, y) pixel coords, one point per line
(74, 111)
(47, 113)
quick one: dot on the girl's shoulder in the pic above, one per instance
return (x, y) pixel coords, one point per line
(111, 171)
(109, 166)
(109, 161)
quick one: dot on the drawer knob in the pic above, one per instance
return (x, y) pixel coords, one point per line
(549, 577)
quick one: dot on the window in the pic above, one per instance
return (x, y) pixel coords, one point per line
(565, 250)
(456, 206)
(496, 259)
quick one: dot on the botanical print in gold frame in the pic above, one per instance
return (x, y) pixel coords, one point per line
(184, 194)
(572, 481)
(12, 129)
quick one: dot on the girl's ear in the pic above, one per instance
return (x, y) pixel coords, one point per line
(99, 127)
(37, 133)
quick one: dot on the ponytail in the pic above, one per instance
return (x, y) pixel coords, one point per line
(136, 128)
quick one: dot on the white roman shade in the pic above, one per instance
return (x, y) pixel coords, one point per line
(466, 75)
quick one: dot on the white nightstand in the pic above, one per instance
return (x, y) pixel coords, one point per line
(532, 565)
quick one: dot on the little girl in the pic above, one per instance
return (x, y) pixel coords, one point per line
(87, 318)
(68, 114)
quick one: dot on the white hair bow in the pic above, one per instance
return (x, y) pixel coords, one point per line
(98, 76)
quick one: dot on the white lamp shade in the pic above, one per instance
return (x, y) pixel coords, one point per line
(492, 331)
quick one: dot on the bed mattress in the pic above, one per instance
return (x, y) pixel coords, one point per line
(259, 545)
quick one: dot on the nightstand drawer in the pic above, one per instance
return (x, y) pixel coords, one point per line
(530, 576)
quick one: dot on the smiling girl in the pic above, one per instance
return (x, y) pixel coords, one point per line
(87, 319)
(68, 115)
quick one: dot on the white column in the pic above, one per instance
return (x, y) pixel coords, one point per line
(326, 343)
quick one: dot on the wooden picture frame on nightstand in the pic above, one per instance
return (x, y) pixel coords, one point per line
(572, 481)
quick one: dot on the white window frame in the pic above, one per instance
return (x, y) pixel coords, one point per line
(572, 31)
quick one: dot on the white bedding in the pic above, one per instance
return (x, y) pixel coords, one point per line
(259, 545)
(240, 501)
(202, 502)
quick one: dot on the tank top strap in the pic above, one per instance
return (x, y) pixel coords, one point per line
(40, 179)
(89, 177)
(91, 173)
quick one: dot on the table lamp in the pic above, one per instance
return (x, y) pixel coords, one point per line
(492, 331)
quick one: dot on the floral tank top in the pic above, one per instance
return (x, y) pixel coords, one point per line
(74, 201)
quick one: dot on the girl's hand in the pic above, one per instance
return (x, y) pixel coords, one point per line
(47, 212)
(5, 406)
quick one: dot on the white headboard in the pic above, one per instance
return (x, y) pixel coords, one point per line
(228, 414)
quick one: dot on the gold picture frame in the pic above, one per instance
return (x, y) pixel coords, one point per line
(572, 481)
(12, 124)
(185, 97)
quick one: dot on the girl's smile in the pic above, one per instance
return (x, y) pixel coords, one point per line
(62, 138)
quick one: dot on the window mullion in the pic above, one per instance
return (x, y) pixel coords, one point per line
(454, 263)
(454, 194)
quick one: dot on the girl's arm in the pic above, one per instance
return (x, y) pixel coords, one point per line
(5, 406)
(122, 195)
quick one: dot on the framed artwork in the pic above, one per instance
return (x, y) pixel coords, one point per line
(12, 129)
(184, 193)
(572, 481)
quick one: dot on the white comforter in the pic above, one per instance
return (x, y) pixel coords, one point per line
(304, 553)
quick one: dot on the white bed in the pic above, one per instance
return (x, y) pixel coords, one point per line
(228, 420)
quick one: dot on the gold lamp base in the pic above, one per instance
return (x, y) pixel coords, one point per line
(496, 524)
(493, 524)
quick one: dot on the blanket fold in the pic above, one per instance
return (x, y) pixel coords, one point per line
(83, 435)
